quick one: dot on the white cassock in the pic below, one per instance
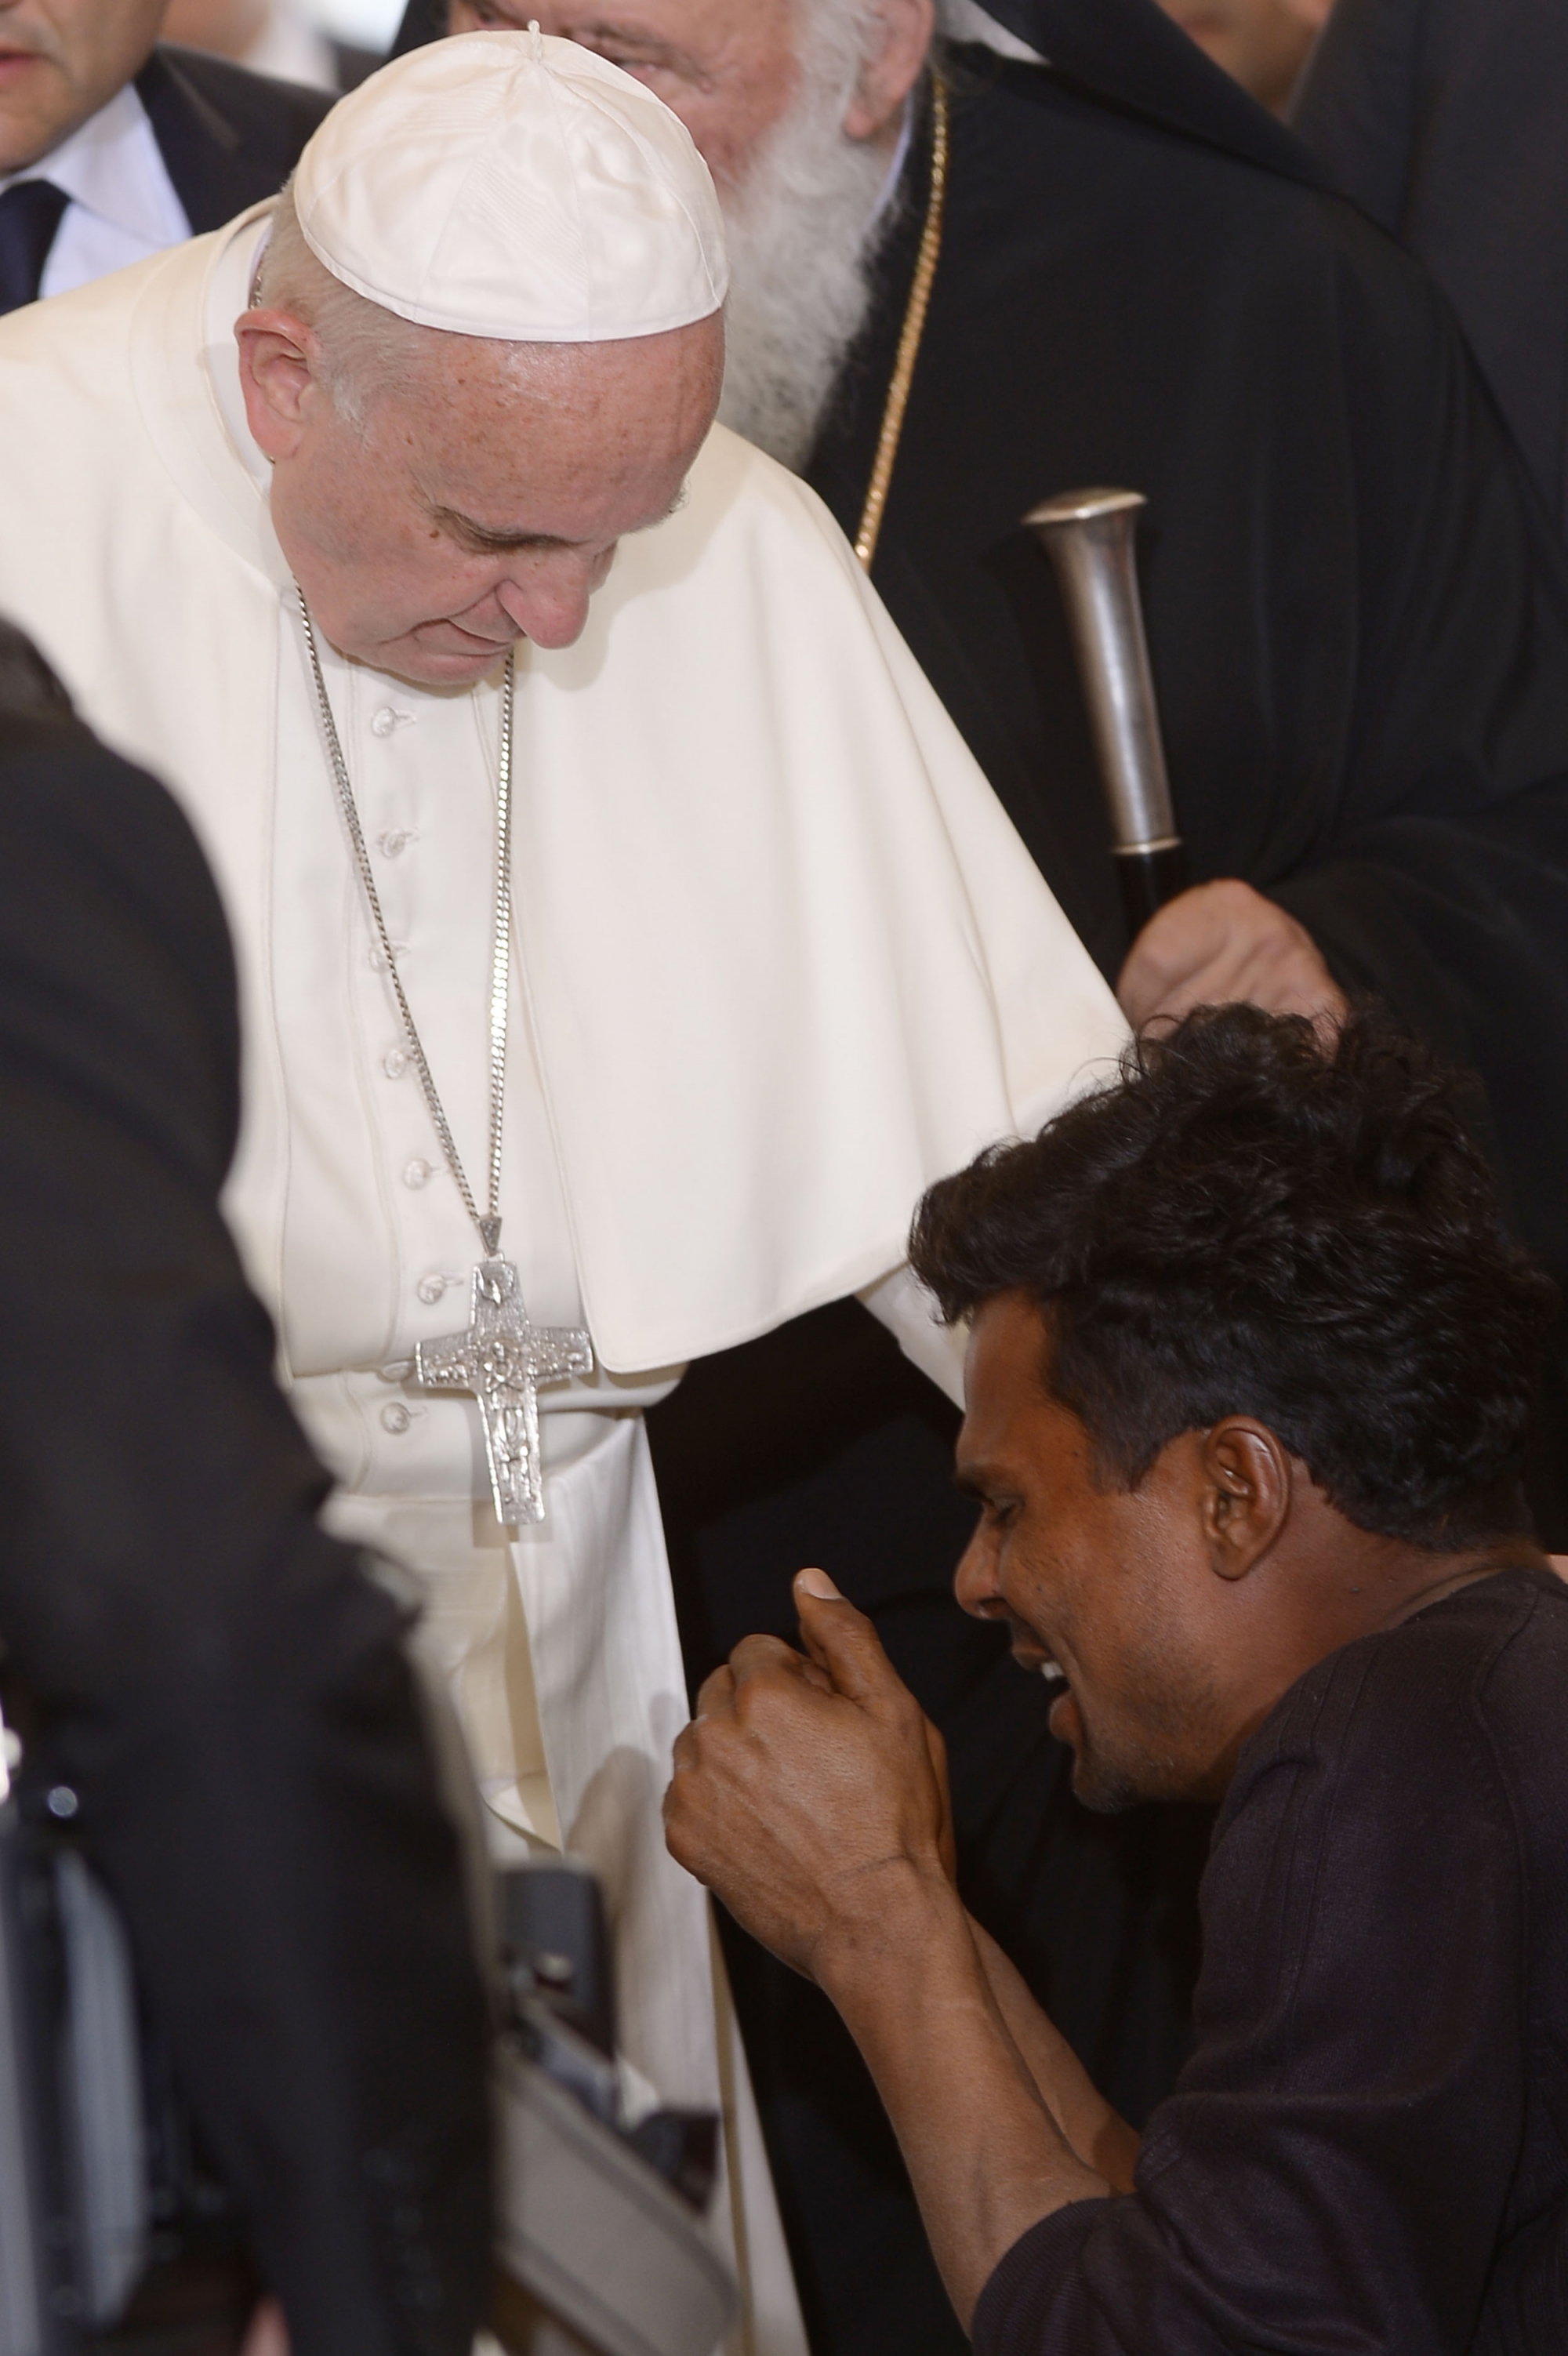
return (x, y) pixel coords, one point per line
(781, 961)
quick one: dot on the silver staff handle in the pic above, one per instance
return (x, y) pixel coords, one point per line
(1089, 537)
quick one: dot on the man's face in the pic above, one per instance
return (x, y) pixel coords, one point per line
(60, 60)
(727, 67)
(1105, 1591)
(479, 505)
(1261, 43)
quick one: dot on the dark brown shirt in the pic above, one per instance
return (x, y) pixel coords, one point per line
(1367, 2153)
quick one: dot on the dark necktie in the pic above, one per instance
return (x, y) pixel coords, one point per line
(30, 216)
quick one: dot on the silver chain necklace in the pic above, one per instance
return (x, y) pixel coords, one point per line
(500, 1357)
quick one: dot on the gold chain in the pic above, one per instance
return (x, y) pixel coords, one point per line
(914, 328)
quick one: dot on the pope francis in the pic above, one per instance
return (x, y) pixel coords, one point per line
(626, 936)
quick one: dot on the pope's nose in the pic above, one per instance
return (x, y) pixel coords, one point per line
(551, 610)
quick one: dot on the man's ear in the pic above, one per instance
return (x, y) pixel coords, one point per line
(279, 378)
(1246, 1500)
(904, 30)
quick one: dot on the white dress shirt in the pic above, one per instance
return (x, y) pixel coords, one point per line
(122, 205)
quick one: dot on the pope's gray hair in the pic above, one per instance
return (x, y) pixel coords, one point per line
(365, 349)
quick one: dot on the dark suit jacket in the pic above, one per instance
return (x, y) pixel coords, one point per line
(220, 1682)
(228, 137)
(354, 64)
(1447, 121)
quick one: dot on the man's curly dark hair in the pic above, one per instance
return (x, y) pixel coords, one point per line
(1250, 1222)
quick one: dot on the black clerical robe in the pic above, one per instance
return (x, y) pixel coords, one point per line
(1366, 2151)
(1358, 623)
(1357, 618)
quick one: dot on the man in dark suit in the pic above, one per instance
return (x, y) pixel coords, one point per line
(218, 1685)
(112, 149)
(1447, 121)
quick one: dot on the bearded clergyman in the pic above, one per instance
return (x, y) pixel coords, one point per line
(625, 934)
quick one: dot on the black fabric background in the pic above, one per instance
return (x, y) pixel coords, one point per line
(1445, 119)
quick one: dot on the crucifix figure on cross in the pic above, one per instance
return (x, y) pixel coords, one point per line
(502, 1360)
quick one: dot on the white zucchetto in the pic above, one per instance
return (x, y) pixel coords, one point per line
(514, 185)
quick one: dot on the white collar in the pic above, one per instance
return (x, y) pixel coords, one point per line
(111, 167)
(965, 20)
(895, 168)
(186, 371)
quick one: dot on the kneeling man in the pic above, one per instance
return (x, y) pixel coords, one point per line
(1249, 1372)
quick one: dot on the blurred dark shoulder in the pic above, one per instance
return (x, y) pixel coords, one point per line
(115, 962)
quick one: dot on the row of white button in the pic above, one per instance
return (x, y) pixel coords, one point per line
(395, 1417)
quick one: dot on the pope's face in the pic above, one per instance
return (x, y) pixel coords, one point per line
(1106, 1590)
(478, 505)
(727, 67)
(60, 60)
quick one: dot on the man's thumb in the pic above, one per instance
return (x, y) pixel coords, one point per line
(842, 1640)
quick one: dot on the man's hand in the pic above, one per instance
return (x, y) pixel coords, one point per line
(804, 1784)
(1223, 941)
(809, 1792)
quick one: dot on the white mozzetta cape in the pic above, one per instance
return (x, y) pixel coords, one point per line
(785, 958)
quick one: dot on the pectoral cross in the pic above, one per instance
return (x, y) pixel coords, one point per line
(502, 1360)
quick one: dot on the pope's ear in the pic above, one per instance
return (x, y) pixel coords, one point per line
(1247, 1476)
(279, 367)
(900, 41)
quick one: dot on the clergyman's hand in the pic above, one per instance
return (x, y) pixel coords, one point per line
(1224, 941)
(805, 1783)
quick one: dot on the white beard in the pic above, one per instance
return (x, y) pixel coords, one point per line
(802, 234)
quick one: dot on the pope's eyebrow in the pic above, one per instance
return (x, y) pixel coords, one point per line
(503, 540)
(487, 536)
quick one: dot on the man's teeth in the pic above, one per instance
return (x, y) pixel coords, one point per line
(1053, 1672)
